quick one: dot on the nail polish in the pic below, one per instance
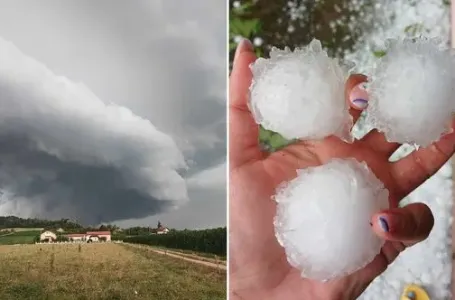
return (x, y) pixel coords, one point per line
(411, 295)
(383, 224)
(360, 103)
(359, 97)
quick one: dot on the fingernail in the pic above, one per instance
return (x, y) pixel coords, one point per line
(382, 222)
(359, 97)
(243, 46)
(411, 295)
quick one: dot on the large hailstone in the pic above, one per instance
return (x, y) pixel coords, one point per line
(300, 94)
(323, 218)
(412, 92)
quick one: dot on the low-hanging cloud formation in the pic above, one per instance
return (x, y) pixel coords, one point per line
(207, 184)
(64, 152)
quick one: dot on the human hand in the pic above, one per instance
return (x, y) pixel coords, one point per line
(258, 268)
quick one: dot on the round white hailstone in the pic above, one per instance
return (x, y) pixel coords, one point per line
(300, 94)
(323, 218)
(258, 41)
(238, 39)
(412, 92)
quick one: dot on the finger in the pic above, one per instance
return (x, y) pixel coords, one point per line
(243, 130)
(376, 140)
(358, 99)
(410, 224)
(356, 95)
(414, 169)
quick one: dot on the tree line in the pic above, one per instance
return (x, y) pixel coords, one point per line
(66, 224)
(207, 241)
(16, 222)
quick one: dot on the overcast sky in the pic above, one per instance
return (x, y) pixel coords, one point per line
(114, 111)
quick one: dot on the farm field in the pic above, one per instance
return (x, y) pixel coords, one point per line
(22, 229)
(103, 271)
(214, 263)
(19, 237)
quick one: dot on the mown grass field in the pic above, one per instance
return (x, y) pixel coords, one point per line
(19, 237)
(106, 271)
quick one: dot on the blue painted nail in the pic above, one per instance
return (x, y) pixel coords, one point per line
(360, 103)
(383, 224)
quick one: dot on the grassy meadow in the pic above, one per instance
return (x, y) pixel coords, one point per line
(103, 271)
(19, 237)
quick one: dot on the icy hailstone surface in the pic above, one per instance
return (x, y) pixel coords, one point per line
(323, 218)
(300, 94)
(412, 92)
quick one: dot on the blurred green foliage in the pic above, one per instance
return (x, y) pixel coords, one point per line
(271, 141)
(379, 53)
(336, 23)
(415, 29)
(241, 26)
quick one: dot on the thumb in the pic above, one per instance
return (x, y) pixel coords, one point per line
(243, 130)
(410, 224)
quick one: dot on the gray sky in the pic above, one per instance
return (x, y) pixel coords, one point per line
(114, 110)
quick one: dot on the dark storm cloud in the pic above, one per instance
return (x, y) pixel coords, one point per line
(52, 187)
(66, 153)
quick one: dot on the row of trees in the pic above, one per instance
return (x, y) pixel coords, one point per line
(16, 222)
(207, 241)
(67, 225)
(138, 230)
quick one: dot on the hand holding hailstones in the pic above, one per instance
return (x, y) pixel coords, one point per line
(300, 95)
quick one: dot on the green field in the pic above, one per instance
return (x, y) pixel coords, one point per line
(19, 237)
(21, 229)
(105, 271)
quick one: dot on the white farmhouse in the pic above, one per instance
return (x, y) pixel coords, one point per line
(47, 236)
(162, 230)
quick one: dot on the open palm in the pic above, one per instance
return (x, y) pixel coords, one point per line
(258, 267)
